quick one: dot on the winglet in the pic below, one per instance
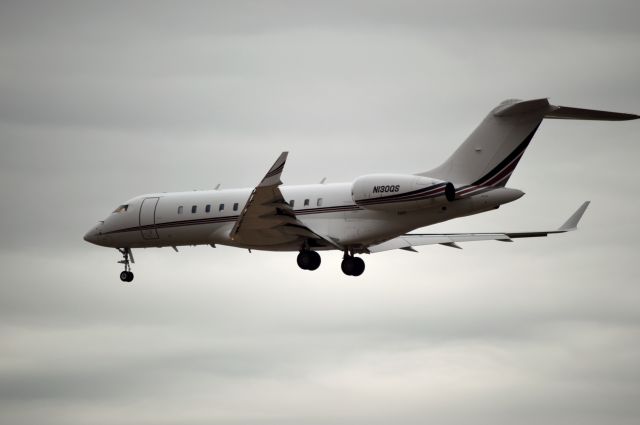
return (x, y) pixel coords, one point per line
(572, 223)
(272, 178)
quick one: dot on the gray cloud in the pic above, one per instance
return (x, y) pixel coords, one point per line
(100, 102)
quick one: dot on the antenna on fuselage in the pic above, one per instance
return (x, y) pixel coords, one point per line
(217, 186)
(324, 179)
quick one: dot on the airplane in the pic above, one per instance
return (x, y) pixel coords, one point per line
(371, 214)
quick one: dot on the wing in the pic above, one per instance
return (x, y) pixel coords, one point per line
(267, 219)
(408, 241)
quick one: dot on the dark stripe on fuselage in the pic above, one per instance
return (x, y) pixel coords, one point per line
(225, 219)
(414, 195)
(326, 209)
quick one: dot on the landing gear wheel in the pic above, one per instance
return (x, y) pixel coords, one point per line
(359, 266)
(315, 260)
(308, 260)
(303, 260)
(347, 266)
(126, 275)
(352, 266)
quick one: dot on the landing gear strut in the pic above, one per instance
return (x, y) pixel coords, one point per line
(308, 260)
(126, 275)
(352, 266)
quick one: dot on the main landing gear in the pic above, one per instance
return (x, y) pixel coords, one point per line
(126, 275)
(308, 260)
(352, 266)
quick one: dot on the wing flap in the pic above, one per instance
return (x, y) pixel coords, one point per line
(411, 240)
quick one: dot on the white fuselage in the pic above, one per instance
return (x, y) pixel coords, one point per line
(207, 217)
(371, 214)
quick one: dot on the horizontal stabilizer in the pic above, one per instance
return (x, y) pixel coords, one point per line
(567, 113)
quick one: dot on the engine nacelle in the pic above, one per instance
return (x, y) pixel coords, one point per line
(400, 192)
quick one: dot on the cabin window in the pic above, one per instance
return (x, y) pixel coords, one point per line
(194, 209)
(207, 209)
(121, 209)
(221, 208)
(291, 202)
(319, 203)
(180, 208)
(306, 202)
(235, 206)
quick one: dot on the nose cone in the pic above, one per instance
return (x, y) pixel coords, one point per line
(92, 235)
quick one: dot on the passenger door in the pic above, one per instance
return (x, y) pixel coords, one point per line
(148, 218)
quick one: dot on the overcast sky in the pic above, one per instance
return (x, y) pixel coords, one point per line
(102, 101)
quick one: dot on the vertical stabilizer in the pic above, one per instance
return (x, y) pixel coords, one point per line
(492, 151)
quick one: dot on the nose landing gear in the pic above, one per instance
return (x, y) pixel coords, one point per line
(127, 274)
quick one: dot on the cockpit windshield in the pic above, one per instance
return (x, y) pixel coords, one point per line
(121, 209)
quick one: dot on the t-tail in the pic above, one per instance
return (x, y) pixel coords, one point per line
(491, 153)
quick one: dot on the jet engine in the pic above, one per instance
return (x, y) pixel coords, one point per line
(400, 192)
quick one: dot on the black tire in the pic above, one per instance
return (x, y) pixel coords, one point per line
(303, 260)
(315, 260)
(124, 276)
(359, 266)
(130, 277)
(348, 266)
(308, 260)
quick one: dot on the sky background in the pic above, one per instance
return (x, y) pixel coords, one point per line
(102, 101)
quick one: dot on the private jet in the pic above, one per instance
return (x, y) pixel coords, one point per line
(371, 214)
